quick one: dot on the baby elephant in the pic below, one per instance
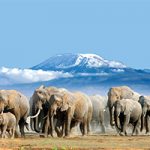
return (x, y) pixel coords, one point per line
(7, 123)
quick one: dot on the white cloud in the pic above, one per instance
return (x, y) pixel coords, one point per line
(27, 75)
(93, 74)
(117, 70)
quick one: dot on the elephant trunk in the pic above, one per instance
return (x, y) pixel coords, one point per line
(32, 124)
(37, 129)
(142, 122)
(53, 109)
(36, 121)
(117, 112)
(117, 120)
(111, 111)
(52, 125)
(32, 121)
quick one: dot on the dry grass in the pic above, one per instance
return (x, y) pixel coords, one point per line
(77, 143)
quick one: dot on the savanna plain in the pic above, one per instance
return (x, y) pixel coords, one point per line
(90, 142)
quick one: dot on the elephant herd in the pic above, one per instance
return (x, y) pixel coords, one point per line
(56, 111)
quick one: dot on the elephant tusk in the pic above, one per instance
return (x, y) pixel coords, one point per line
(36, 114)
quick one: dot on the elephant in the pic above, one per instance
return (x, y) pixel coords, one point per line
(119, 93)
(127, 111)
(145, 103)
(40, 104)
(16, 103)
(37, 122)
(98, 103)
(55, 122)
(78, 109)
(7, 123)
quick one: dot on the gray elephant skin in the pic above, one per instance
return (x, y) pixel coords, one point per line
(7, 123)
(119, 93)
(127, 111)
(98, 103)
(40, 107)
(78, 108)
(145, 103)
(16, 103)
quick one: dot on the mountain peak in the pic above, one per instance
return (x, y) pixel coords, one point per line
(94, 60)
(66, 61)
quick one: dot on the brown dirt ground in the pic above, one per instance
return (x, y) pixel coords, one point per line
(91, 142)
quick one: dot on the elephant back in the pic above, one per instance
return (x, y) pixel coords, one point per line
(16, 101)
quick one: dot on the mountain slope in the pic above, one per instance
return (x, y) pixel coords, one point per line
(89, 73)
(76, 63)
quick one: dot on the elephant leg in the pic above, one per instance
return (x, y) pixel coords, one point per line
(12, 133)
(9, 132)
(21, 126)
(46, 126)
(74, 123)
(101, 119)
(85, 125)
(4, 131)
(134, 128)
(81, 128)
(102, 127)
(62, 131)
(126, 122)
(59, 128)
(68, 123)
(137, 126)
(88, 127)
(59, 131)
(67, 126)
(147, 124)
(17, 134)
(89, 118)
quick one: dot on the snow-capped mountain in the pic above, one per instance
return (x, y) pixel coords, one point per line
(78, 63)
(89, 73)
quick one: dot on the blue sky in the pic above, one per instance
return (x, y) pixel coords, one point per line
(33, 30)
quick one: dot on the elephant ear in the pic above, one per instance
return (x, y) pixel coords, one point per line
(128, 109)
(141, 100)
(57, 98)
(126, 93)
(67, 101)
(3, 96)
